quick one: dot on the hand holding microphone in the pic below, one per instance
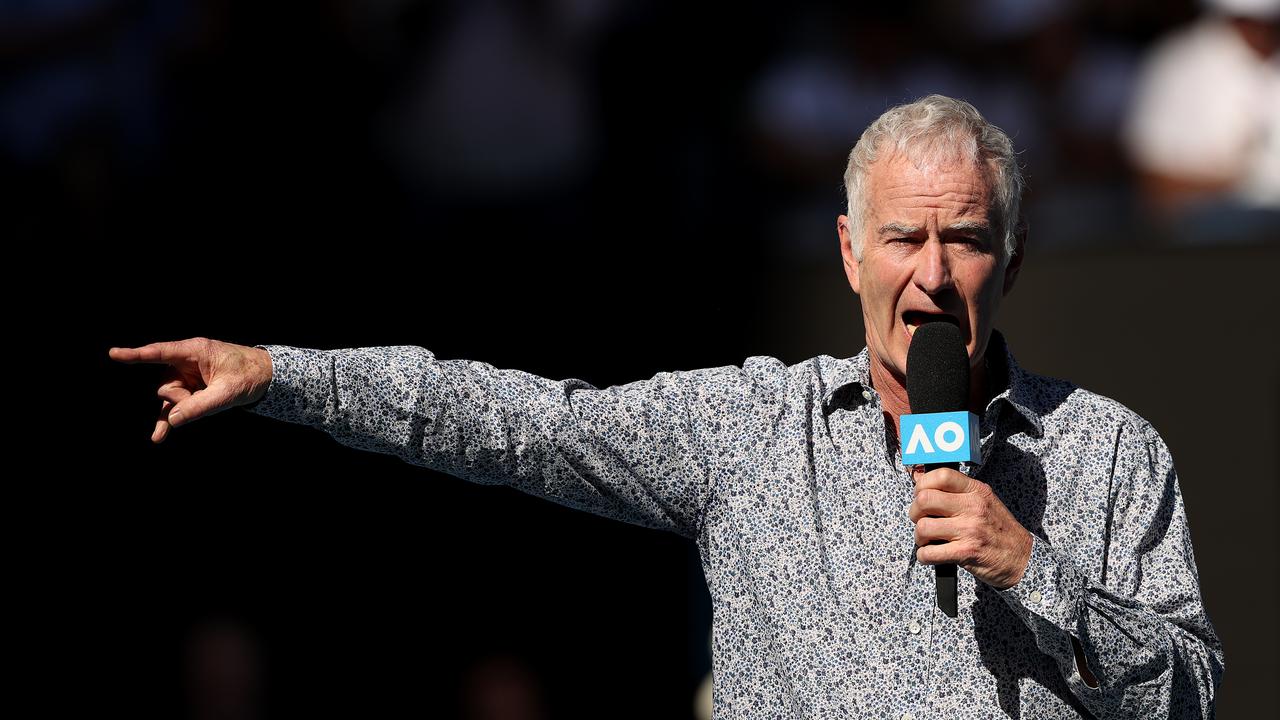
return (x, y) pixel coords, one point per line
(959, 520)
(976, 530)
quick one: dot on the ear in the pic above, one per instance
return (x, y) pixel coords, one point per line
(851, 264)
(1019, 253)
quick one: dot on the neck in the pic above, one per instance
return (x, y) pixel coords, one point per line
(893, 391)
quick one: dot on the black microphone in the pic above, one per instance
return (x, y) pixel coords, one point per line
(938, 381)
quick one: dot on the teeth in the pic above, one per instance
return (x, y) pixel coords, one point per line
(911, 329)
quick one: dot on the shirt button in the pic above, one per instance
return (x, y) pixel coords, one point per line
(907, 716)
(866, 395)
(914, 627)
(1036, 597)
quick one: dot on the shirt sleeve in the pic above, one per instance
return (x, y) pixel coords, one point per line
(1142, 628)
(636, 452)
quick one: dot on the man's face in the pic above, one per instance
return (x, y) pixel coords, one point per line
(930, 251)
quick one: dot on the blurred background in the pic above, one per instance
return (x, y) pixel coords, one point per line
(600, 189)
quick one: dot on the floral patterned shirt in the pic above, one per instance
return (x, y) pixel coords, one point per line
(793, 490)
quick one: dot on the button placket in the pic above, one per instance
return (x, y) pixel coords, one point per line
(916, 636)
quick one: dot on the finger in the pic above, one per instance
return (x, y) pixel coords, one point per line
(945, 479)
(937, 529)
(161, 430)
(939, 503)
(174, 392)
(201, 403)
(953, 553)
(161, 352)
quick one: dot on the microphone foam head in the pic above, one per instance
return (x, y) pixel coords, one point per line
(937, 369)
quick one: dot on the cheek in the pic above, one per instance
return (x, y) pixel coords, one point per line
(887, 305)
(984, 282)
(985, 299)
(887, 286)
(883, 279)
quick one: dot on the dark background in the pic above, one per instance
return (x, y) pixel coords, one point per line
(623, 197)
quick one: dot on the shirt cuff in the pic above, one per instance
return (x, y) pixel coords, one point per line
(1049, 599)
(300, 388)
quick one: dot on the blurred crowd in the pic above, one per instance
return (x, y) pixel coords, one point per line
(1154, 116)
(1160, 116)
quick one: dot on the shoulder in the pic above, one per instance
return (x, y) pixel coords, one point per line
(765, 380)
(755, 379)
(760, 370)
(1067, 408)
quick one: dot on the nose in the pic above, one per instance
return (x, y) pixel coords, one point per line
(933, 269)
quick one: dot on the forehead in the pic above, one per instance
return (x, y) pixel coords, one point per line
(904, 188)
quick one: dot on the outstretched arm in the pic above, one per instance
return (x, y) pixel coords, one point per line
(644, 452)
(637, 452)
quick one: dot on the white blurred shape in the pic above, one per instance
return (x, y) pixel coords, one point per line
(1207, 109)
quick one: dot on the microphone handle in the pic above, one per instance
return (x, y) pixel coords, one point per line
(945, 575)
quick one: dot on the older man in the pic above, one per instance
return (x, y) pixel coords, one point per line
(1079, 596)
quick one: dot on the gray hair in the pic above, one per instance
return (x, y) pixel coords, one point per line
(930, 130)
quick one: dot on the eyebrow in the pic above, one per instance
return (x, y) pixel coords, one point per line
(894, 228)
(981, 229)
(977, 227)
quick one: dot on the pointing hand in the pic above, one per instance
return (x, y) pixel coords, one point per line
(204, 377)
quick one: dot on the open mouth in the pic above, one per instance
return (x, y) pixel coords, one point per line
(913, 319)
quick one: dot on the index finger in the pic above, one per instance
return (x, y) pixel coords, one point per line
(944, 479)
(161, 352)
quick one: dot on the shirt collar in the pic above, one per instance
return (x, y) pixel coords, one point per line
(849, 382)
(1017, 386)
(847, 379)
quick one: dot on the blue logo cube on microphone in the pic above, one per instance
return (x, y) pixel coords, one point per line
(940, 438)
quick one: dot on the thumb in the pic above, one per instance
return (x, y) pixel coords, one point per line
(208, 401)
